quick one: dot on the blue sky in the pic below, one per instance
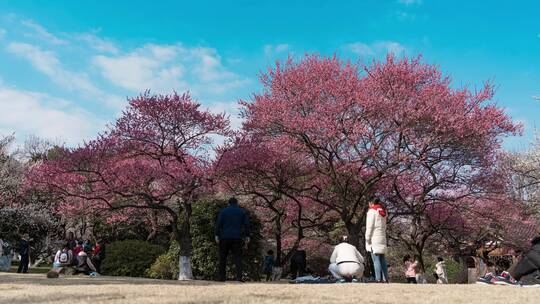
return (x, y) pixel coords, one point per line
(67, 67)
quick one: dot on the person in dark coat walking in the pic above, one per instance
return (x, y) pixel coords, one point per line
(24, 252)
(232, 228)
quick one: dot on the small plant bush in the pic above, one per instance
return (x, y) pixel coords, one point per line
(166, 265)
(130, 258)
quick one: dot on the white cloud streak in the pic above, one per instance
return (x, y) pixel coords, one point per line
(271, 49)
(97, 43)
(410, 2)
(168, 67)
(41, 33)
(48, 63)
(376, 48)
(27, 112)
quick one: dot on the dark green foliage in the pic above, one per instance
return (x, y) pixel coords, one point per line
(205, 250)
(166, 265)
(453, 270)
(130, 258)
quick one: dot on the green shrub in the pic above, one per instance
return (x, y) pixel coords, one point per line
(205, 257)
(453, 270)
(166, 265)
(130, 258)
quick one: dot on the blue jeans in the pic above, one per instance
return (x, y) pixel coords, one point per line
(381, 268)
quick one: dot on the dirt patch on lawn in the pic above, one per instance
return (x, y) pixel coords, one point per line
(30, 288)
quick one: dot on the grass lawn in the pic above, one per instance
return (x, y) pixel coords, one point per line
(36, 288)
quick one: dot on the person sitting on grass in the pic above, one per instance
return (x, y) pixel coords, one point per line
(527, 269)
(63, 257)
(346, 263)
(78, 248)
(98, 254)
(84, 264)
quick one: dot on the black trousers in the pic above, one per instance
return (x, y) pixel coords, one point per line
(298, 269)
(411, 280)
(23, 264)
(230, 246)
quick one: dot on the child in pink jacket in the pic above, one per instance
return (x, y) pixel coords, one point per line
(410, 269)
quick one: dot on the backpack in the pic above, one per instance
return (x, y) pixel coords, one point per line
(64, 257)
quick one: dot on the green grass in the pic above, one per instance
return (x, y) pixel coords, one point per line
(41, 269)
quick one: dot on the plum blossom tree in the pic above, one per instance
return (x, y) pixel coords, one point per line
(267, 176)
(356, 130)
(155, 158)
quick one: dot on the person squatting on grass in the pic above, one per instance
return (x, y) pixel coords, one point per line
(231, 226)
(346, 263)
(376, 239)
(410, 269)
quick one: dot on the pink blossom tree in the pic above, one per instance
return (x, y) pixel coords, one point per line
(155, 158)
(356, 129)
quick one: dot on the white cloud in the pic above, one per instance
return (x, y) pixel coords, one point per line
(167, 67)
(145, 68)
(47, 63)
(410, 2)
(376, 48)
(99, 44)
(45, 116)
(270, 49)
(41, 33)
(232, 109)
(2, 33)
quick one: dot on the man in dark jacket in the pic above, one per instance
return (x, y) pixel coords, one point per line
(24, 251)
(527, 269)
(231, 227)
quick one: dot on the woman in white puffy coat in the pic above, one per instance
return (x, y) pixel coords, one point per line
(376, 239)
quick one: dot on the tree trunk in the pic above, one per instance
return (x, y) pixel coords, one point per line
(185, 272)
(418, 257)
(354, 231)
(183, 237)
(279, 249)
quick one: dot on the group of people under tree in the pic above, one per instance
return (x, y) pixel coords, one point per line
(346, 262)
(81, 256)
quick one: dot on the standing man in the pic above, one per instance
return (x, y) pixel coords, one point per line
(24, 251)
(231, 227)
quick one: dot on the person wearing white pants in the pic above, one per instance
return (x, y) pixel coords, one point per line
(346, 263)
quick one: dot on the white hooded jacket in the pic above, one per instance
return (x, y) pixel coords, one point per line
(375, 231)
